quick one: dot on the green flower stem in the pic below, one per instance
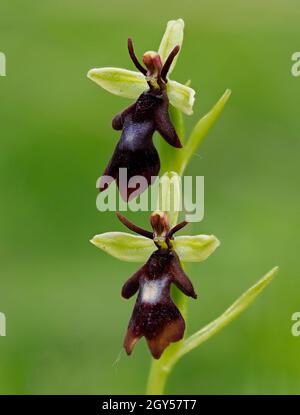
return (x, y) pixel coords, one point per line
(157, 378)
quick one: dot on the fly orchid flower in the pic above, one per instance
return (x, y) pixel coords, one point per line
(155, 316)
(153, 90)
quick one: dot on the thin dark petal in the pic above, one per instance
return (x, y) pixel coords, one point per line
(132, 284)
(119, 119)
(177, 228)
(168, 62)
(134, 58)
(184, 284)
(179, 278)
(134, 227)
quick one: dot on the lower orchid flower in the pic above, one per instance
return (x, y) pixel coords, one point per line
(155, 315)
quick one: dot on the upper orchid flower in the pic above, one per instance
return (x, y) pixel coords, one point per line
(135, 150)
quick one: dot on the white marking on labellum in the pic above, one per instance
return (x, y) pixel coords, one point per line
(152, 290)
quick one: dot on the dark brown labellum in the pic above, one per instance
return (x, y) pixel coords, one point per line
(155, 316)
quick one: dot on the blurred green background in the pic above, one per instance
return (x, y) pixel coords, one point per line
(61, 296)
